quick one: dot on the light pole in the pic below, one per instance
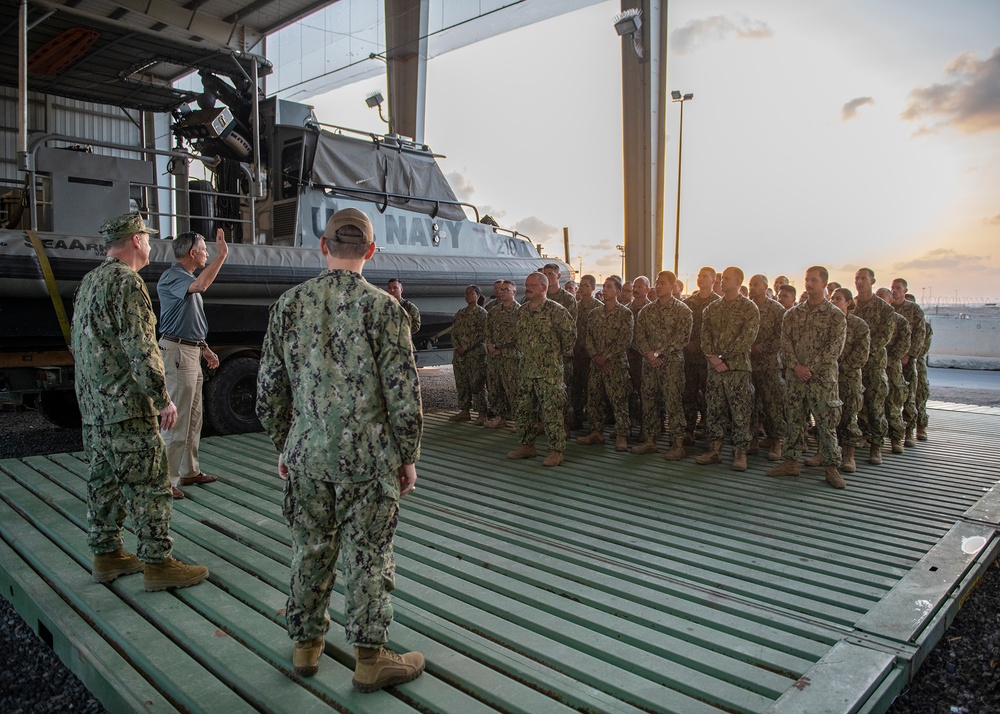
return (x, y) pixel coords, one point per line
(678, 97)
(621, 249)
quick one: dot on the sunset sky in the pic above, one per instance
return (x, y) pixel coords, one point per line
(842, 133)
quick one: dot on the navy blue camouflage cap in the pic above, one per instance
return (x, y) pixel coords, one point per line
(127, 224)
(355, 219)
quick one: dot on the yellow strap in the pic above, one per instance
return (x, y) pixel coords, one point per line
(50, 283)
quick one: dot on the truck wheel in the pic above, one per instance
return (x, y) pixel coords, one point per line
(231, 397)
(60, 408)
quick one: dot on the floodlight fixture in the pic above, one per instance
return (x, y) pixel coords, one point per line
(375, 99)
(629, 23)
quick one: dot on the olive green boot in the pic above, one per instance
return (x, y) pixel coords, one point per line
(379, 667)
(108, 566)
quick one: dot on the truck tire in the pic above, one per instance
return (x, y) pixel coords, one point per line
(231, 397)
(60, 408)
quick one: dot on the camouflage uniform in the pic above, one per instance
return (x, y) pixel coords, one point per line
(414, 314)
(468, 330)
(609, 335)
(121, 388)
(581, 360)
(663, 327)
(852, 359)
(502, 370)
(728, 329)
(871, 419)
(341, 402)
(898, 346)
(569, 302)
(923, 383)
(635, 365)
(769, 387)
(813, 336)
(695, 367)
(918, 336)
(545, 337)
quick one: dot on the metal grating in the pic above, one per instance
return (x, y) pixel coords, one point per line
(614, 583)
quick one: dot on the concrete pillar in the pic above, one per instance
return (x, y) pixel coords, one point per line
(406, 55)
(644, 95)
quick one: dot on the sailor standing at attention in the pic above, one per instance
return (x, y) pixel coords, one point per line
(183, 329)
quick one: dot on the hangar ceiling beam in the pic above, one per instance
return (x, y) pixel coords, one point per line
(406, 23)
(644, 93)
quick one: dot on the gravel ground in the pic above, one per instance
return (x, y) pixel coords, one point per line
(960, 676)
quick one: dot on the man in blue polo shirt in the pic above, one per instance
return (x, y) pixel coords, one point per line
(183, 330)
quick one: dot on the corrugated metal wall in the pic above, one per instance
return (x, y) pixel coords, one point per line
(54, 115)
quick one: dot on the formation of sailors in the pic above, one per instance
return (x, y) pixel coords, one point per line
(753, 361)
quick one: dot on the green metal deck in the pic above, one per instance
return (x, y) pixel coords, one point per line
(615, 583)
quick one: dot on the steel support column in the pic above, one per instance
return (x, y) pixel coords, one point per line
(644, 93)
(406, 57)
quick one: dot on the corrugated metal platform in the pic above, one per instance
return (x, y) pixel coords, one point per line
(615, 583)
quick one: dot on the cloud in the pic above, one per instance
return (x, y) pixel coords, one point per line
(717, 28)
(969, 99)
(992, 220)
(462, 187)
(536, 229)
(945, 259)
(850, 110)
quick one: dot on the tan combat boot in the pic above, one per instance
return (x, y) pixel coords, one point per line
(712, 456)
(524, 451)
(774, 453)
(788, 467)
(739, 459)
(108, 566)
(813, 460)
(594, 437)
(897, 446)
(172, 573)
(305, 656)
(481, 419)
(875, 454)
(554, 458)
(908, 440)
(921, 433)
(754, 448)
(621, 443)
(379, 667)
(847, 462)
(648, 446)
(461, 416)
(834, 478)
(677, 451)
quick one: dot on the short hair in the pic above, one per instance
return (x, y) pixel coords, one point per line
(762, 277)
(903, 281)
(871, 273)
(616, 280)
(640, 277)
(787, 288)
(552, 266)
(835, 285)
(670, 275)
(538, 275)
(394, 280)
(738, 271)
(498, 281)
(709, 269)
(846, 294)
(589, 277)
(184, 243)
(347, 251)
(824, 274)
(909, 296)
(120, 242)
(511, 283)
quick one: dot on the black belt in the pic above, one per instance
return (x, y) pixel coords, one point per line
(181, 340)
